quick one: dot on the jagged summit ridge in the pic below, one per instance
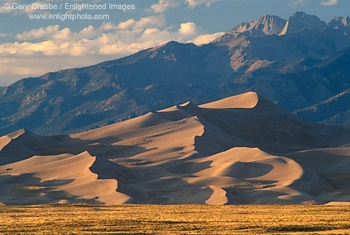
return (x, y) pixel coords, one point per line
(274, 25)
(300, 21)
(341, 23)
(266, 25)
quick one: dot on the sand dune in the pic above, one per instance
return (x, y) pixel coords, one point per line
(242, 149)
(56, 178)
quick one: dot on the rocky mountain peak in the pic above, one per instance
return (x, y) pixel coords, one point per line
(266, 25)
(311, 20)
(341, 23)
(273, 25)
(300, 21)
(171, 50)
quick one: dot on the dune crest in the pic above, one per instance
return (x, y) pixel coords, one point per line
(240, 150)
(245, 101)
(18, 133)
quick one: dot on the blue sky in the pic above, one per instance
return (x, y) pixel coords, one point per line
(32, 47)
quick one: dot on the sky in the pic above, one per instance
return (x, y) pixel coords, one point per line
(40, 36)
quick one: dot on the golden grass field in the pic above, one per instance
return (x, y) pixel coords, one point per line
(174, 219)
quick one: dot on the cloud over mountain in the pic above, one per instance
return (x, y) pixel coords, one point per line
(89, 45)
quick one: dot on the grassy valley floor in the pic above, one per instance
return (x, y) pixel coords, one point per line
(174, 219)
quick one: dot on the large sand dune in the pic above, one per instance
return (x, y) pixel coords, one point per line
(242, 149)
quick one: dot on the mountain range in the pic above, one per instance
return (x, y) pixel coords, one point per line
(239, 150)
(301, 64)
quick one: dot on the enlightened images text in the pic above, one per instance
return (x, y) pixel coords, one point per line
(105, 6)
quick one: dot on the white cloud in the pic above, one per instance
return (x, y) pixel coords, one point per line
(164, 5)
(108, 26)
(126, 24)
(38, 33)
(146, 22)
(205, 38)
(194, 3)
(87, 33)
(151, 21)
(329, 2)
(53, 32)
(296, 3)
(188, 28)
